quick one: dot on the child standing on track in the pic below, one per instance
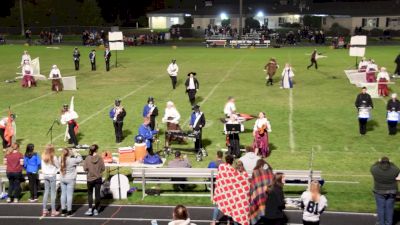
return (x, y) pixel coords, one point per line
(313, 204)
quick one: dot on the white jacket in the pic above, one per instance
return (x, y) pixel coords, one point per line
(49, 169)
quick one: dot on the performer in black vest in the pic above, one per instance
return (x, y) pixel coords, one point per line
(363, 104)
(92, 57)
(192, 85)
(76, 56)
(197, 122)
(150, 111)
(107, 56)
(313, 59)
(117, 114)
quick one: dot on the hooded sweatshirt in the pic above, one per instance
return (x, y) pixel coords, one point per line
(181, 222)
(384, 175)
(32, 164)
(94, 166)
(249, 161)
(70, 167)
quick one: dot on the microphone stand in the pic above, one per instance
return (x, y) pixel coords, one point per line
(51, 131)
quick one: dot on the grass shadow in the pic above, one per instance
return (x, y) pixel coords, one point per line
(126, 133)
(371, 125)
(206, 142)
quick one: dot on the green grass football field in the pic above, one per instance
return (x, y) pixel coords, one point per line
(318, 114)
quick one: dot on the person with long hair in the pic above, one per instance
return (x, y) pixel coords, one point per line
(180, 216)
(94, 166)
(32, 164)
(14, 161)
(50, 167)
(275, 203)
(260, 180)
(262, 127)
(313, 204)
(69, 161)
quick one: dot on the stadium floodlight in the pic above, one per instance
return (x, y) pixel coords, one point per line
(224, 16)
(260, 14)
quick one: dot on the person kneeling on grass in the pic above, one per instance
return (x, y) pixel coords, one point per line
(94, 166)
(180, 216)
(69, 161)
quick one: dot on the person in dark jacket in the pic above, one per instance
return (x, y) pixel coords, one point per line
(107, 57)
(76, 55)
(275, 204)
(94, 166)
(117, 114)
(384, 173)
(397, 61)
(313, 59)
(363, 104)
(192, 86)
(32, 163)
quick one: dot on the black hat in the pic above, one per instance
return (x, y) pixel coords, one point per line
(177, 154)
(117, 102)
(195, 107)
(194, 74)
(150, 99)
(65, 106)
(173, 60)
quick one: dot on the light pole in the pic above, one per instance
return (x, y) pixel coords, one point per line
(240, 19)
(21, 14)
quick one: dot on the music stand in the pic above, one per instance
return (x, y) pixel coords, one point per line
(232, 127)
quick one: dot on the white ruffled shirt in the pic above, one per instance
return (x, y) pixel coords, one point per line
(260, 123)
(383, 74)
(53, 72)
(171, 112)
(173, 69)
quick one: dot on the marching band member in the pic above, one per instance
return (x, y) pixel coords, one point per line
(393, 110)
(287, 76)
(151, 111)
(92, 58)
(260, 133)
(68, 117)
(313, 59)
(76, 54)
(27, 72)
(270, 68)
(233, 141)
(192, 86)
(363, 104)
(107, 57)
(55, 77)
(230, 107)
(117, 114)
(146, 131)
(25, 57)
(171, 117)
(197, 122)
(173, 72)
(383, 77)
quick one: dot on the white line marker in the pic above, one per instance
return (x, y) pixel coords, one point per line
(291, 133)
(26, 102)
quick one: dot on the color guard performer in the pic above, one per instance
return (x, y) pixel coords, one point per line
(261, 128)
(27, 72)
(25, 57)
(55, 77)
(151, 111)
(197, 122)
(287, 77)
(364, 105)
(270, 68)
(362, 66)
(92, 58)
(230, 107)
(68, 117)
(7, 131)
(393, 111)
(192, 86)
(117, 114)
(76, 55)
(107, 57)
(173, 72)
(383, 77)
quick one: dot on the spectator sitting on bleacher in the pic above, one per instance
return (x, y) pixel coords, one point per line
(180, 216)
(179, 162)
(249, 159)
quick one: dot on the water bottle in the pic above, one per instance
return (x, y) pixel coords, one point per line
(154, 222)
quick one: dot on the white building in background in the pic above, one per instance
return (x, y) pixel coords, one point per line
(368, 15)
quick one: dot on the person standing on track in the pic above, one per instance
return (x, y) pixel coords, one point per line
(313, 204)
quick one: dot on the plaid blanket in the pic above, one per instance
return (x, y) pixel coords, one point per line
(261, 178)
(232, 193)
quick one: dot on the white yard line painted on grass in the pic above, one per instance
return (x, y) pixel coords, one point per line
(291, 133)
(341, 182)
(26, 102)
(216, 86)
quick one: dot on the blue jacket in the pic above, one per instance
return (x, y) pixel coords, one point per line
(32, 165)
(147, 133)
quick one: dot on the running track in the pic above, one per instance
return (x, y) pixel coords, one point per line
(29, 214)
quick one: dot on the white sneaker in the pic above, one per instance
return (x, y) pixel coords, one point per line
(95, 212)
(89, 212)
(8, 200)
(15, 200)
